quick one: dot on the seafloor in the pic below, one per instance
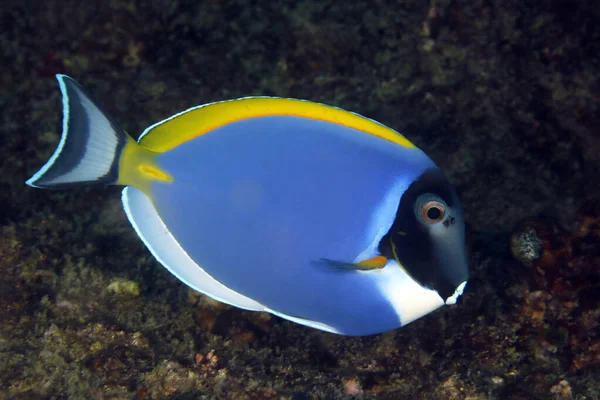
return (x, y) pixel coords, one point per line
(503, 95)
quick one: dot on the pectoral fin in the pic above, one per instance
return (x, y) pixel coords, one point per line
(365, 265)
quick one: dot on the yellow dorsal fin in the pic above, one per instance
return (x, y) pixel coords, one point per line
(197, 121)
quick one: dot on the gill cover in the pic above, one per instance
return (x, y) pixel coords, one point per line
(427, 237)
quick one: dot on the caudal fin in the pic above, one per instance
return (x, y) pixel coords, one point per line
(90, 146)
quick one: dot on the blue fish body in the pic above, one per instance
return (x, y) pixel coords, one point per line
(312, 213)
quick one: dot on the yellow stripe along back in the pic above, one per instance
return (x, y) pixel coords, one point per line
(197, 121)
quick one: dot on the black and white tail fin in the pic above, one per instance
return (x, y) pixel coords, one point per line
(90, 146)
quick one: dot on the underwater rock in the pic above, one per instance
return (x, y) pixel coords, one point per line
(562, 390)
(124, 287)
(525, 244)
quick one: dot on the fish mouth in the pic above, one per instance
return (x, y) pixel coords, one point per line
(457, 293)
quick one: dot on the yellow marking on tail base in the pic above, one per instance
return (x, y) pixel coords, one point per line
(137, 167)
(152, 172)
(197, 121)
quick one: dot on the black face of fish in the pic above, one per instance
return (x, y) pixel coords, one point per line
(427, 237)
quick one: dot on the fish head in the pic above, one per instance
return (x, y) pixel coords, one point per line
(427, 238)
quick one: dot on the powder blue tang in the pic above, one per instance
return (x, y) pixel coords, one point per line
(312, 213)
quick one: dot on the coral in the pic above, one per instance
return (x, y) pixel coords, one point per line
(562, 305)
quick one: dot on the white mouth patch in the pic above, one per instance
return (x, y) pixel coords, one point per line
(459, 290)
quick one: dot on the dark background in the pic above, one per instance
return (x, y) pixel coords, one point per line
(503, 95)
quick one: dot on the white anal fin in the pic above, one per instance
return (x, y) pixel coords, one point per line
(165, 248)
(306, 322)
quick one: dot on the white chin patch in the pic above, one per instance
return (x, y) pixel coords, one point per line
(410, 300)
(452, 299)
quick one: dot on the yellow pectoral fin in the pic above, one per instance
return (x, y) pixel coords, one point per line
(373, 263)
(365, 265)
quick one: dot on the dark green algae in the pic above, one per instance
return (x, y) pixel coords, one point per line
(502, 95)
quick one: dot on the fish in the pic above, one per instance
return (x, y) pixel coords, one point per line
(306, 211)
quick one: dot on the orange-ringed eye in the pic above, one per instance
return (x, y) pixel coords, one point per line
(430, 209)
(432, 212)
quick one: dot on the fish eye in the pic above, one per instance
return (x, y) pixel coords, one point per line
(430, 209)
(432, 212)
